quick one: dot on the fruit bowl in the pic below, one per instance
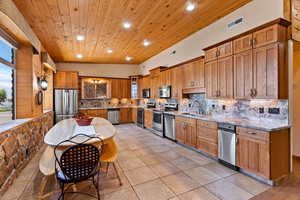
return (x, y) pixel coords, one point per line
(84, 121)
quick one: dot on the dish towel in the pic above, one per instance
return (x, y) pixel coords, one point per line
(86, 130)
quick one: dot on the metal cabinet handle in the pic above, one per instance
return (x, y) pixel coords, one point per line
(254, 41)
(255, 92)
(252, 133)
(251, 92)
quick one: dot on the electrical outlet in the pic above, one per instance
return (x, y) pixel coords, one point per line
(261, 110)
(275, 111)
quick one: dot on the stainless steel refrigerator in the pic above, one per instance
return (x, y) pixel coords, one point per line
(65, 104)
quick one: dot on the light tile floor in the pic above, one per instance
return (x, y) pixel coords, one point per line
(151, 168)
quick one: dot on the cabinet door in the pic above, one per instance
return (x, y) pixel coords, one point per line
(123, 115)
(134, 114)
(225, 50)
(265, 36)
(211, 54)
(148, 118)
(187, 75)
(254, 155)
(102, 113)
(72, 80)
(242, 44)
(211, 79)
(60, 80)
(177, 80)
(266, 72)
(225, 77)
(180, 131)
(243, 75)
(190, 135)
(198, 72)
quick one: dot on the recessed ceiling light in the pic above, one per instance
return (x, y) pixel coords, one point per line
(190, 7)
(126, 25)
(79, 56)
(80, 37)
(128, 58)
(146, 43)
(109, 51)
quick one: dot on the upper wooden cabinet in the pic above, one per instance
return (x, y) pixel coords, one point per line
(194, 76)
(242, 44)
(176, 81)
(66, 80)
(120, 88)
(259, 65)
(219, 78)
(243, 76)
(266, 36)
(221, 51)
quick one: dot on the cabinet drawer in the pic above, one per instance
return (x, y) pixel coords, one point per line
(206, 146)
(211, 54)
(209, 134)
(266, 36)
(225, 50)
(207, 124)
(187, 120)
(253, 133)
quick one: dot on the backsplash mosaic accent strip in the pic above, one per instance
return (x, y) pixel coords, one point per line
(250, 109)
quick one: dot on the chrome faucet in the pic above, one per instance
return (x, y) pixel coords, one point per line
(199, 110)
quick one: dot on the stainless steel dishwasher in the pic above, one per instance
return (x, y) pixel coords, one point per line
(169, 126)
(227, 145)
(113, 115)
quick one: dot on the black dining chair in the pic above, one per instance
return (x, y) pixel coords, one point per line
(78, 163)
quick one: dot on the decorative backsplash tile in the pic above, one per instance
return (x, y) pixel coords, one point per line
(250, 109)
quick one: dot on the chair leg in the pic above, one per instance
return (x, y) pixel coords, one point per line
(118, 176)
(62, 195)
(107, 166)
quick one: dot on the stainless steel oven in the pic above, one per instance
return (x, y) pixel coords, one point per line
(158, 122)
(146, 93)
(165, 91)
(140, 117)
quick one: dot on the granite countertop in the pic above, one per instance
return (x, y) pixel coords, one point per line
(107, 107)
(259, 124)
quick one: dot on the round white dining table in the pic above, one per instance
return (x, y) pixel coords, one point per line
(64, 130)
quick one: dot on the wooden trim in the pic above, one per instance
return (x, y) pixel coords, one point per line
(7, 63)
(193, 90)
(280, 21)
(9, 39)
(102, 77)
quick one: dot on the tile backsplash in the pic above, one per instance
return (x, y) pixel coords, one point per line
(251, 109)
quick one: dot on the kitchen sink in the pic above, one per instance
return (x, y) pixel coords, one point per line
(192, 114)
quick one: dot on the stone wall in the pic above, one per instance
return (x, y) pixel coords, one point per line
(18, 145)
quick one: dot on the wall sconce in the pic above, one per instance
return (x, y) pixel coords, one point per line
(43, 83)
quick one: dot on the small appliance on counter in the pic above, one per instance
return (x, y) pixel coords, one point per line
(146, 93)
(227, 145)
(165, 91)
(65, 104)
(151, 104)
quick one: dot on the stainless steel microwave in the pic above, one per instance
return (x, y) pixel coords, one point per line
(165, 91)
(146, 93)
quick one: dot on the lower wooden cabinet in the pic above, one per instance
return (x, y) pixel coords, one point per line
(125, 115)
(207, 137)
(186, 131)
(148, 118)
(95, 113)
(134, 114)
(264, 153)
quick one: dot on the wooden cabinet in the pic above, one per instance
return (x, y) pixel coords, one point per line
(165, 77)
(243, 76)
(266, 36)
(193, 74)
(186, 131)
(225, 77)
(66, 80)
(120, 88)
(263, 153)
(95, 113)
(134, 114)
(211, 54)
(207, 137)
(176, 82)
(148, 118)
(242, 44)
(265, 67)
(211, 79)
(225, 50)
(125, 115)
(219, 78)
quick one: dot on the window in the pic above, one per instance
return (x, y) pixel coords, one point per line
(7, 111)
(134, 88)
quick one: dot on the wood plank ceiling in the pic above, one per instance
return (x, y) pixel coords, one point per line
(163, 22)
